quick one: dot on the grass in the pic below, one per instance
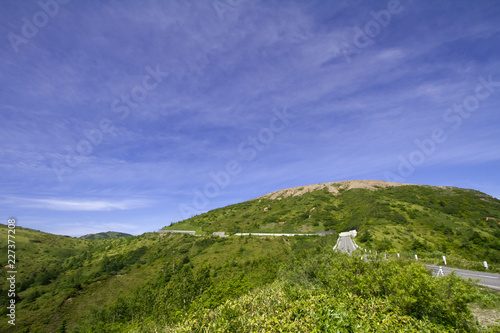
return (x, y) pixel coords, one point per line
(153, 281)
(486, 308)
(176, 277)
(422, 219)
(84, 284)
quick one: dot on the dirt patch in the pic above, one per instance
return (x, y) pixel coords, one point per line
(486, 317)
(333, 187)
(268, 226)
(304, 228)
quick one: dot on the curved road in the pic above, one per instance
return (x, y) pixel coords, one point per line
(345, 244)
(491, 280)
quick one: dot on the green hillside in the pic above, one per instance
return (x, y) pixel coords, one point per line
(162, 282)
(431, 221)
(183, 283)
(104, 235)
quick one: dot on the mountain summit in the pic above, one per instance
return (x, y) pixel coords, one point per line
(387, 216)
(333, 187)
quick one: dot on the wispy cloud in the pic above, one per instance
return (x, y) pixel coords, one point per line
(78, 205)
(225, 77)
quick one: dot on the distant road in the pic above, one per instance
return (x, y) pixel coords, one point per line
(345, 245)
(491, 280)
(241, 233)
(270, 234)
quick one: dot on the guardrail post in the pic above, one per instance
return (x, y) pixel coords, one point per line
(416, 257)
(444, 259)
(485, 264)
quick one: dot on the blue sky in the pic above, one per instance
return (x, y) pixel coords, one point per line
(130, 115)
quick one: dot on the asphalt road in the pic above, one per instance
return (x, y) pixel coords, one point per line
(346, 245)
(491, 280)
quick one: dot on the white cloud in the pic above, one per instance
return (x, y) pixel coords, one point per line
(79, 205)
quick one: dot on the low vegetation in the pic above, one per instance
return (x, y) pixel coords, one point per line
(160, 282)
(183, 283)
(429, 221)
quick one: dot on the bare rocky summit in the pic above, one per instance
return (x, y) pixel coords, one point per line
(333, 187)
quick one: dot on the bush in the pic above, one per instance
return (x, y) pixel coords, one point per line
(335, 292)
(398, 218)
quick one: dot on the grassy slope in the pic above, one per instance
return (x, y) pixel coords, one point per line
(86, 276)
(39, 255)
(149, 282)
(416, 219)
(155, 279)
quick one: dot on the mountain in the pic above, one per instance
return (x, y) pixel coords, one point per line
(433, 220)
(103, 235)
(167, 282)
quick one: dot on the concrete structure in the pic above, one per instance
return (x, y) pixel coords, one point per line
(352, 233)
(345, 242)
